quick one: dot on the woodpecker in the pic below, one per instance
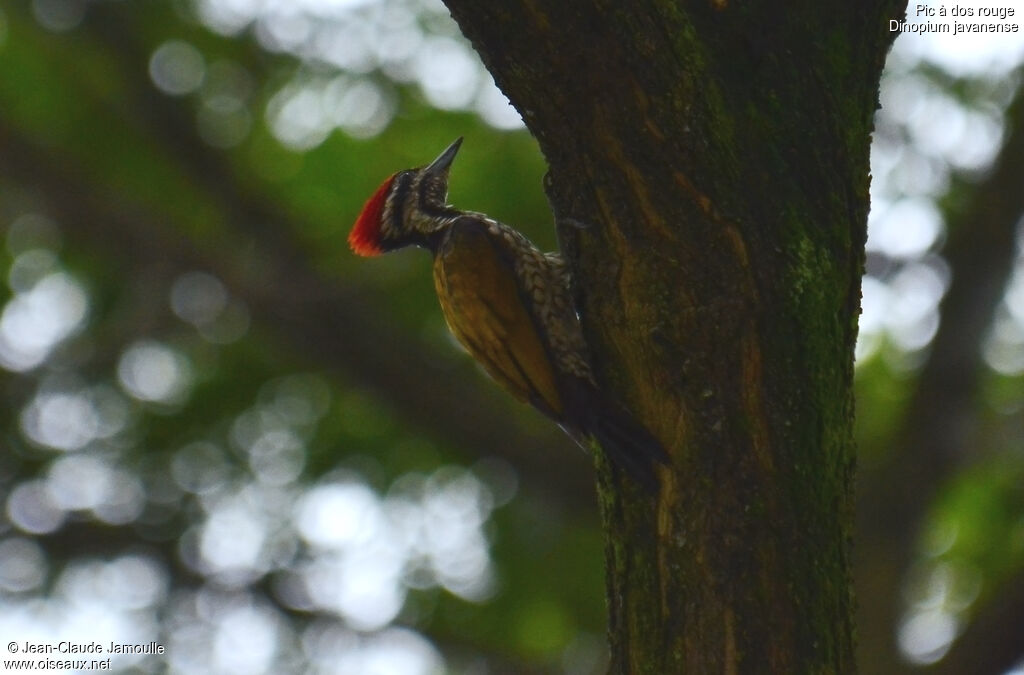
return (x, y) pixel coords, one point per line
(509, 304)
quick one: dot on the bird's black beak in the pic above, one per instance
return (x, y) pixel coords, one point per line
(444, 160)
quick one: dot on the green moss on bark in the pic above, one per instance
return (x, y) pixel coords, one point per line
(720, 150)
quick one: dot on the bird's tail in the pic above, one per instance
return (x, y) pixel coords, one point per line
(627, 442)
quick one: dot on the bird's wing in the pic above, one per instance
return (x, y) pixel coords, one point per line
(489, 314)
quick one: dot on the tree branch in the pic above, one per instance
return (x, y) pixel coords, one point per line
(721, 150)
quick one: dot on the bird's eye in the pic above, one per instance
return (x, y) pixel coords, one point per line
(436, 191)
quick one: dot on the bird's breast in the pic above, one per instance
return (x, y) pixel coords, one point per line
(486, 309)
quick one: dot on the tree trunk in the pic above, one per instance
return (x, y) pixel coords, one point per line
(717, 157)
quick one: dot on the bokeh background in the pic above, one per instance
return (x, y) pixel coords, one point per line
(221, 432)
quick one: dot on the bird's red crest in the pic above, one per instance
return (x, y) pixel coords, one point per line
(365, 235)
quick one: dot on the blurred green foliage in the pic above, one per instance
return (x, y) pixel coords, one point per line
(126, 189)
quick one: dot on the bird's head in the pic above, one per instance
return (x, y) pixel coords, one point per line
(406, 209)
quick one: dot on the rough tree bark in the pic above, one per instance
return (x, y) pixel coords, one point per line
(719, 153)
